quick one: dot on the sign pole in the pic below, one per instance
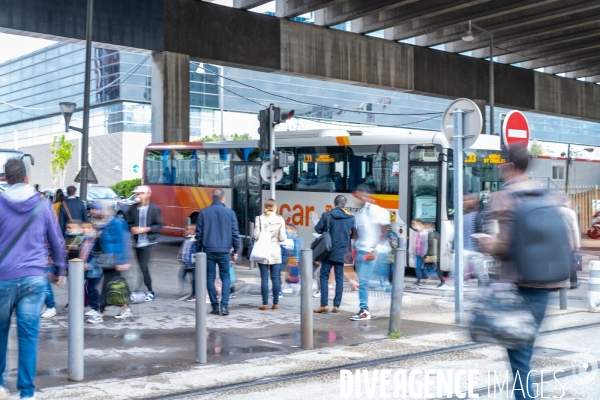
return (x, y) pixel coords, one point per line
(458, 215)
(271, 112)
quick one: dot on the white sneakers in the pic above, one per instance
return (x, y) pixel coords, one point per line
(49, 313)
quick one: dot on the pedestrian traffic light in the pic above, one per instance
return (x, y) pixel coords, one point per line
(282, 160)
(264, 130)
(282, 115)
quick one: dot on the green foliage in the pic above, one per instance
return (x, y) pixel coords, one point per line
(536, 149)
(216, 138)
(397, 335)
(125, 188)
(62, 152)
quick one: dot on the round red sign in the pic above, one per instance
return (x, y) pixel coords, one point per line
(515, 129)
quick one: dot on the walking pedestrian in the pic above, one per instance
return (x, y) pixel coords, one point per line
(216, 235)
(503, 207)
(570, 217)
(113, 257)
(341, 226)
(93, 271)
(71, 210)
(59, 197)
(184, 256)
(27, 223)
(144, 220)
(274, 225)
(372, 223)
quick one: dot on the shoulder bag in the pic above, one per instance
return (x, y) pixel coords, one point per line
(261, 250)
(321, 246)
(64, 203)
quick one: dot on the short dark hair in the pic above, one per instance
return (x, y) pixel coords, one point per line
(71, 190)
(340, 201)
(15, 171)
(519, 156)
(218, 194)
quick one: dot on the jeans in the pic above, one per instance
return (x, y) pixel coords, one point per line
(25, 296)
(143, 255)
(430, 269)
(520, 358)
(385, 267)
(93, 292)
(275, 273)
(364, 269)
(338, 270)
(222, 260)
(48, 292)
(192, 272)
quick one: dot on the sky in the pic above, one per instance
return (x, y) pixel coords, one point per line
(13, 46)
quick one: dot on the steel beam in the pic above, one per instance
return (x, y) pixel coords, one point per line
(546, 51)
(247, 4)
(556, 60)
(574, 66)
(593, 71)
(293, 8)
(353, 9)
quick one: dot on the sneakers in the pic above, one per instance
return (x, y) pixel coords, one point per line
(91, 313)
(224, 311)
(124, 314)
(419, 283)
(362, 315)
(215, 311)
(280, 295)
(4, 394)
(49, 313)
(442, 284)
(95, 319)
(318, 294)
(149, 296)
(287, 289)
(190, 298)
(321, 309)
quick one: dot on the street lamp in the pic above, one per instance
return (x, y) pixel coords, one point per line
(570, 161)
(67, 109)
(469, 37)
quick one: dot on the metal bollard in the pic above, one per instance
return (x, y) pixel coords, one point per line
(397, 290)
(306, 313)
(76, 316)
(563, 298)
(200, 277)
(594, 289)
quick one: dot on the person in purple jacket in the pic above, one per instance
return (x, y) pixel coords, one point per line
(27, 222)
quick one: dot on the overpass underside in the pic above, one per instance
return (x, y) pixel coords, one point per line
(177, 31)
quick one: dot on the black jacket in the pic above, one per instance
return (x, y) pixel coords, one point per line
(217, 230)
(78, 212)
(153, 221)
(341, 227)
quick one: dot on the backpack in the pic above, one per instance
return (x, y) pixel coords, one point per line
(117, 292)
(540, 248)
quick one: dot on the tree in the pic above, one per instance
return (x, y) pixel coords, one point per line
(62, 152)
(216, 138)
(125, 188)
(536, 149)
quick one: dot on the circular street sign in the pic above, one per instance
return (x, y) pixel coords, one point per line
(472, 122)
(515, 129)
(136, 168)
(265, 172)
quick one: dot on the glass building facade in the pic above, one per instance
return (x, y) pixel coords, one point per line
(32, 86)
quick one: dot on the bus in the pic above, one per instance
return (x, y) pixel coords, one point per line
(408, 173)
(5, 154)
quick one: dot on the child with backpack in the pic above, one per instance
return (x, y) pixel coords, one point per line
(93, 272)
(113, 240)
(185, 256)
(294, 245)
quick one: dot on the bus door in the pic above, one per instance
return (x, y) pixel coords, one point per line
(246, 198)
(424, 207)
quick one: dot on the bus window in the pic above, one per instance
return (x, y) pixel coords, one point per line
(213, 168)
(287, 182)
(153, 167)
(320, 169)
(375, 167)
(184, 162)
(424, 193)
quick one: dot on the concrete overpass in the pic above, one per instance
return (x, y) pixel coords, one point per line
(560, 35)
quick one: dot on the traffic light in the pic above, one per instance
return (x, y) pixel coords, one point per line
(282, 160)
(281, 115)
(264, 130)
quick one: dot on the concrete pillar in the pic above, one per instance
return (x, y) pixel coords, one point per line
(170, 97)
(481, 104)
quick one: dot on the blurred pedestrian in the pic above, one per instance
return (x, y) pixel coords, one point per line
(570, 217)
(185, 256)
(93, 271)
(274, 225)
(23, 260)
(144, 220)
(293, 261)
(341, 226)
(372, 223)
(71, 210)
(59, 197)
(114, 257)
(217, 235)
(386, 261)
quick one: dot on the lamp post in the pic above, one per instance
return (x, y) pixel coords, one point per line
(570, 161)
(68, 108)
(468, 37)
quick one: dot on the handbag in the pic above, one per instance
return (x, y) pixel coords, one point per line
(261, 250)
(321, 246)
(502, 317)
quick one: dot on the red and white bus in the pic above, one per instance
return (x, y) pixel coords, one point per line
(408, 172)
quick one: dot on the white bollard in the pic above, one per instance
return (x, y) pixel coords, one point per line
(594, 290)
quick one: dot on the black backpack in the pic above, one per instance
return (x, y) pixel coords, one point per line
(540, 248)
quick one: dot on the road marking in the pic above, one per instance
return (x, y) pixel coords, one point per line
(270, 341)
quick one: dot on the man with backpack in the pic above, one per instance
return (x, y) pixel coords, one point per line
(27, 222)
(533, 246)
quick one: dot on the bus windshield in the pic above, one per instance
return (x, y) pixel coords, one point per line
(5, 155)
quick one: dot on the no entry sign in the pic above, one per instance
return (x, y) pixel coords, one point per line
(515, 129)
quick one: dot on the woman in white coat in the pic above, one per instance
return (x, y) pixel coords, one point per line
(273, 225)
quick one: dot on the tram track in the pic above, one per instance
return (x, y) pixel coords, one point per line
(361, 365)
